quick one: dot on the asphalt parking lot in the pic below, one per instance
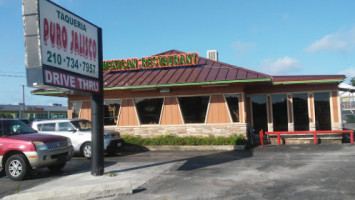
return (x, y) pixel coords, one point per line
(41, 176)
(272, 172)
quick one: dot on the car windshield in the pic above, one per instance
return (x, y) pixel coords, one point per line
(82, 125)
(14, 127)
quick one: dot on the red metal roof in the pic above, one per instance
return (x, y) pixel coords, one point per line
(206, 71)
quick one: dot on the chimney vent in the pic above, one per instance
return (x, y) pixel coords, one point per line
(212, 54)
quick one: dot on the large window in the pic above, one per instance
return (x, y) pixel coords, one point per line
(75, 109)
(233, 105)
(259, 112)
(194, 108)
(300, 112)
(111, 110)
(322, 108)
(149, 110)
(279, 112)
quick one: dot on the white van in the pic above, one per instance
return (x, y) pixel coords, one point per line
(79, 131)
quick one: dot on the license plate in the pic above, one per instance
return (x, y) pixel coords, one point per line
(119, 144)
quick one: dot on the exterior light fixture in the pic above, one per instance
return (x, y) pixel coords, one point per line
(164, 90)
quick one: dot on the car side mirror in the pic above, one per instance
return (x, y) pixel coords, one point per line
(72, 130)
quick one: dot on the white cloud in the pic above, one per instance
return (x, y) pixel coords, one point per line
(242, 48)
(349, 73)
(337, 42)
(280, 66)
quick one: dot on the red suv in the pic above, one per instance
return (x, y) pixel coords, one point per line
(22, 149)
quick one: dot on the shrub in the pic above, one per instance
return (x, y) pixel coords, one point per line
(189, 140)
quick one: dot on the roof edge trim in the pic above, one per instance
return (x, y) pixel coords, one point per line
(48, 92)
(190, 84)
(307, 81)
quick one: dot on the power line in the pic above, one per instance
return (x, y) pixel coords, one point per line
(15, 76)
(11, 72)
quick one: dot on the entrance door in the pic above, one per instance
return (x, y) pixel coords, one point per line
(259, 112)
(322, 107)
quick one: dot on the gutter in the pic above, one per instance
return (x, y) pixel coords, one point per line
(307, 82)
(168, 85)
(190, 84)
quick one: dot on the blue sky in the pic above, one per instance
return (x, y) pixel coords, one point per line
(276, 37)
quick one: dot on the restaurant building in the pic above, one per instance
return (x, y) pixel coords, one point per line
(184, 94)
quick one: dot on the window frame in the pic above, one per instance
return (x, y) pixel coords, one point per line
(119, 112)
(136, 110)
(239, 109)
(308, 109)
(71, 103)
(330, 108)
(207, 111)
(272, 110)
(266, 106)
(58, 126)
(44, 124)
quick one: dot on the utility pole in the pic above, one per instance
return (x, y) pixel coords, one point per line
(23, 101)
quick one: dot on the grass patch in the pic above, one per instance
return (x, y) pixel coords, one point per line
(112, 174)
(18, 187)
(173, 140)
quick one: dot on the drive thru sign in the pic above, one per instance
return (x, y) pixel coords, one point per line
(61, 48)
(64, 52)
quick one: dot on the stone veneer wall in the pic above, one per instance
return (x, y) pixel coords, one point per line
(185, 130)
(337, 126)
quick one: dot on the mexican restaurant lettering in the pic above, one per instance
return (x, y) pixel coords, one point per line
(161, 61)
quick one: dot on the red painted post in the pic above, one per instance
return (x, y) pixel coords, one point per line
(278, 139)
(261, 138)
(351, 137)
(315, 138)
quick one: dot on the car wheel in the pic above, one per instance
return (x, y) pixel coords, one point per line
(57, 167)
(17, 167)
(86, 150)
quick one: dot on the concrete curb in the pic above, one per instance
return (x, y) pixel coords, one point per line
(186, 148)
(88, 189)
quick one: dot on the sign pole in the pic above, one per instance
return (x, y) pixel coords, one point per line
(97, 118)
(23, 102)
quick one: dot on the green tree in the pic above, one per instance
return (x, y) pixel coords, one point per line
(6, 115)
(352, 81)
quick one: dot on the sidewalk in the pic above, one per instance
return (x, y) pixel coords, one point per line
(121, 178)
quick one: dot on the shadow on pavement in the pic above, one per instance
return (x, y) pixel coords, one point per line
(145, 166)
(199, 161)
(214, 159)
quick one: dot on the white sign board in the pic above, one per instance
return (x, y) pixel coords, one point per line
(67, 41)
(65, 45)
